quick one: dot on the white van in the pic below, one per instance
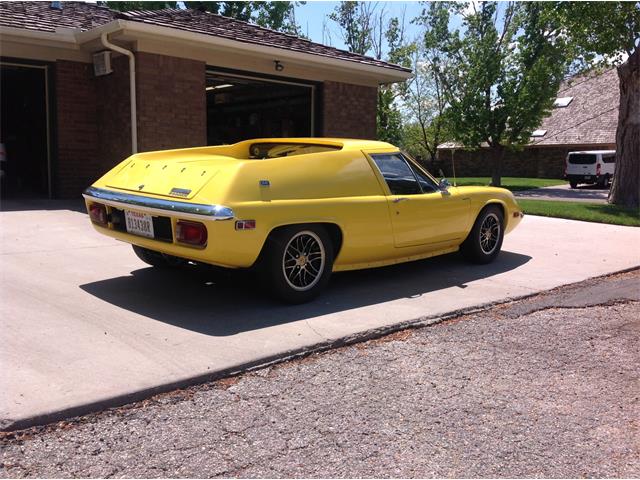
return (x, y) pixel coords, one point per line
(593, 166)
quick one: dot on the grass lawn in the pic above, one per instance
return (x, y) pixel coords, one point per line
(510, 183)
(588, 212)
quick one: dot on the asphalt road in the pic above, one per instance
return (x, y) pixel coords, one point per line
(564, 193)
(544, 387)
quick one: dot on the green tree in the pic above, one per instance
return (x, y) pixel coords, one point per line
(356, 23)
(279, 16)
(364, 30)
(499, 73)
(424, 105)
(389, 117)
(606, 34)
(239, 10)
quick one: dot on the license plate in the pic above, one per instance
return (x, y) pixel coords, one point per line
(139, 223)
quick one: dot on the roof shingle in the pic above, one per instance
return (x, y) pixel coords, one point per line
(591, 117)
(42, 17)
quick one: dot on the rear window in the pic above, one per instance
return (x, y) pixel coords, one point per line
(582, 159)
(276, 150)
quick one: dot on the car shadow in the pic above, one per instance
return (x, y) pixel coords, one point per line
(221, 303)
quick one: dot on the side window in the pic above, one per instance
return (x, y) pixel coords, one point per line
(609, 158)
(426, 183)
(397, 174)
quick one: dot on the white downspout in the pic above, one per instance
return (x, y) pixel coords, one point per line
(132, 87)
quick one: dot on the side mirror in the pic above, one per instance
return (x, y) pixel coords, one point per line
(444, 184)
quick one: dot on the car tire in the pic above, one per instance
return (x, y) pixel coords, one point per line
(297, 262)
(484, 242)
(573, 184)
(157, 259)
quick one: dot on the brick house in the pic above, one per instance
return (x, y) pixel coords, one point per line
(584, 117)
(83, 86)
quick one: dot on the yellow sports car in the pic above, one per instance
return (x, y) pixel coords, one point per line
(297, 209)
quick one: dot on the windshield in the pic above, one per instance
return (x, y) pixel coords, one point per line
(582, 158)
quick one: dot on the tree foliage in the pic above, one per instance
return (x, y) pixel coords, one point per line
(424, 107)
(499, 73)
(365, 30)
(389, 116)
(602, 33)
(355, 20)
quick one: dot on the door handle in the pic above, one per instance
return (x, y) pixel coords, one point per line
(399, 199)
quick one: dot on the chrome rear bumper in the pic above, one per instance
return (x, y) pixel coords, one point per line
(158, 206)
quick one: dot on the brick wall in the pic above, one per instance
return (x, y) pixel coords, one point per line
(349, 111)
(113, 109)
(172, 107)
(94, 119)
(78, 161)
(547, 162)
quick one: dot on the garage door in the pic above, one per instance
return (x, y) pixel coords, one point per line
(241, 107)
(24, 132)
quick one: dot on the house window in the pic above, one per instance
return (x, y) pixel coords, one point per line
(562, 102)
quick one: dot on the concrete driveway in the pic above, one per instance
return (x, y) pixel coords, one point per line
(86, 325)
(564, 193)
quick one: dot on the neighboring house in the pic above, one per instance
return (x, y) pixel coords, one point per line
(200, 79)
(585, 117)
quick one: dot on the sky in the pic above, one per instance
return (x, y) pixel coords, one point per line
(311, 15)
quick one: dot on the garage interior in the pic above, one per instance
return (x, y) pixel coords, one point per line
(24, 128)
(241, 108)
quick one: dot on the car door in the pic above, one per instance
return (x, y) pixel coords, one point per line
(421, 213)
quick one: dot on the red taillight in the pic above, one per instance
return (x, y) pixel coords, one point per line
(98, 213)
(193, 233)
(598, 169)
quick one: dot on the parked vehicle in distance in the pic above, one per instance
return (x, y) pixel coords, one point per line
(295, 209)
(591, 166)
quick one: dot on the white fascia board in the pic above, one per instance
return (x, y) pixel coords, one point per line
(65, 38)
(95, 33)
(386, 75)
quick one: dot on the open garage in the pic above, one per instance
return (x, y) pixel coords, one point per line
(241, 107)
(26, 166)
